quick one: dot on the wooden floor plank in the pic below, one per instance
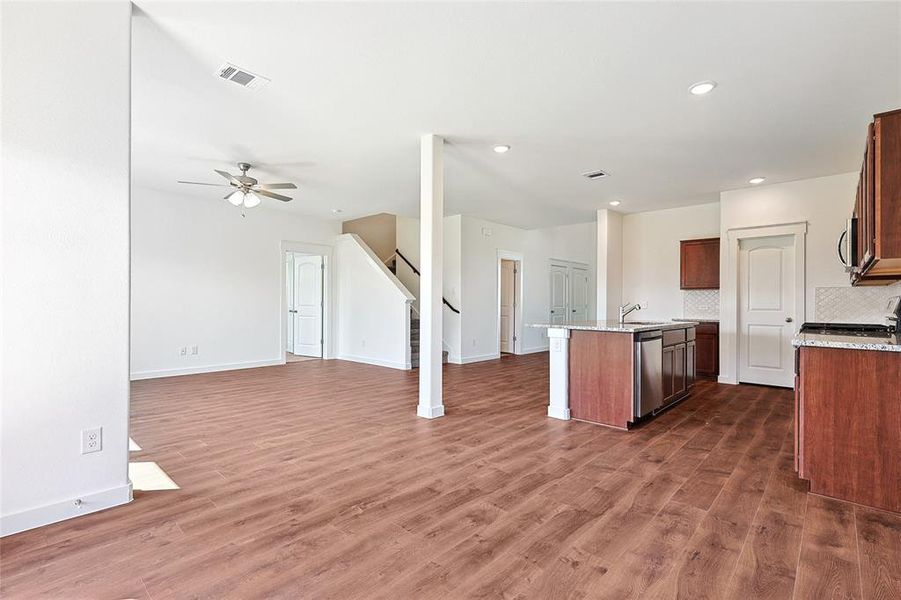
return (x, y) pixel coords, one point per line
(317, 480)
(879, 544)
(829, 564)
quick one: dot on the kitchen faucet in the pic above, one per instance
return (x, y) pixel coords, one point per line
(625, 309)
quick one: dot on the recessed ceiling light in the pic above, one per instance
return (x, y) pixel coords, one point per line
(756, 180)
(702, 87)
(614, 203)
(337, 211)
(501, 148)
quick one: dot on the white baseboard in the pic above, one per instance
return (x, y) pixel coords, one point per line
(454, 359)
(726, 379)
(206, 369)
(479, 358)
(429, 412)
(377, 362)
(67, 509)
(535, 350)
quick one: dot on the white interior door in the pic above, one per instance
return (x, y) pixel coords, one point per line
(766, 310)
(308, 304)
(559, 294)
(289, 297)
(508, 304)
(578, 305)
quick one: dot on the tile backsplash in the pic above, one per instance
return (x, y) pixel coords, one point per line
(701, 304)
(853, 304)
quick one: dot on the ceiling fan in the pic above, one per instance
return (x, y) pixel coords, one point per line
(248, 190)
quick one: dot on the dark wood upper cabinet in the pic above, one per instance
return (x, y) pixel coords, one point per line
(878, 204)
(700, 264)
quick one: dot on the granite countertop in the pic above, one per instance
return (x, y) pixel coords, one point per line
(849, 342)
(615, 326)
(693, 320)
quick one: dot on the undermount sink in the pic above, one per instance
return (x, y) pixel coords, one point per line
(646, 323)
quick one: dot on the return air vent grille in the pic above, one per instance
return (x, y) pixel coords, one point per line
(594, 174)
(242, 77)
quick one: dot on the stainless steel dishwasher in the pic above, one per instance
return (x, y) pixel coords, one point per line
(648, 376)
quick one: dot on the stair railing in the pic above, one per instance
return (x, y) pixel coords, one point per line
(418, 274)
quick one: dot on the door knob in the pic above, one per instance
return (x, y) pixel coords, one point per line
(788, 319)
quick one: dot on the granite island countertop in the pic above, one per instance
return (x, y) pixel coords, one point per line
(849, 342)
(616, 326)
(696, 320)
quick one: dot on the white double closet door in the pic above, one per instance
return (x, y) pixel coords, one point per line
(766, 319)
(304, 296)
(569, 292)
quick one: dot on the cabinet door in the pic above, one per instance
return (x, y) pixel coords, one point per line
(700, 264)
(679, 369)
(707, 355)
(668, 370)
(867, 186)
(690, 364)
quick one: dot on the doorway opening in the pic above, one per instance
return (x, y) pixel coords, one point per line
(509, 302)
(305, 306)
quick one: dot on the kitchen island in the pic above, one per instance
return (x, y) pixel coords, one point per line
(613, 373)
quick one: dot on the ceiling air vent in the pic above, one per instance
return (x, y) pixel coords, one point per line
(242, 77)
(594, 174)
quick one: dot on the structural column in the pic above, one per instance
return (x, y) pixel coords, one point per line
(558, 407)
(431, 285)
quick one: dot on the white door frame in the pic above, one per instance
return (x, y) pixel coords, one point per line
(729, 288)
(517, 298)
(327, 254)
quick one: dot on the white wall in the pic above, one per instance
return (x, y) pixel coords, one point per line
(65, 190)
(609, 263)
(650, 256)
(453, 323)
(204, 276)
(373, 308)
(407, 231)
(823, 203)
(479, 285)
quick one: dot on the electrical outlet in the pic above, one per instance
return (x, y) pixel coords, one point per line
(91, 440)
(194, 350)
(184, 351)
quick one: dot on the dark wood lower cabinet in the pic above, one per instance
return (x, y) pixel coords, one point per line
(848, 427)
(707, 350)
(669, 370)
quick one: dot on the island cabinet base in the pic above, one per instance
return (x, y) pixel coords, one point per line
(848, 425)
(600, 377)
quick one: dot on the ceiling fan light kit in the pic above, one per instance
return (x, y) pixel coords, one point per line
(248, 190)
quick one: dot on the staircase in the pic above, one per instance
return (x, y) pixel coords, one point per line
(391, 263)
(414, 345)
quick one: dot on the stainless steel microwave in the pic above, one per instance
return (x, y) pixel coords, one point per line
(847, 246)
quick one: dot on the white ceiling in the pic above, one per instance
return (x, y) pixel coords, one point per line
(570, 86)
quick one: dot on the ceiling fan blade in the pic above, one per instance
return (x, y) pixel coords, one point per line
(228, 176)
(201, 183)
(271, 195)
(276, 186)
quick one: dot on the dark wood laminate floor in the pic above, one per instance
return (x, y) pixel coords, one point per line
(317, 480)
